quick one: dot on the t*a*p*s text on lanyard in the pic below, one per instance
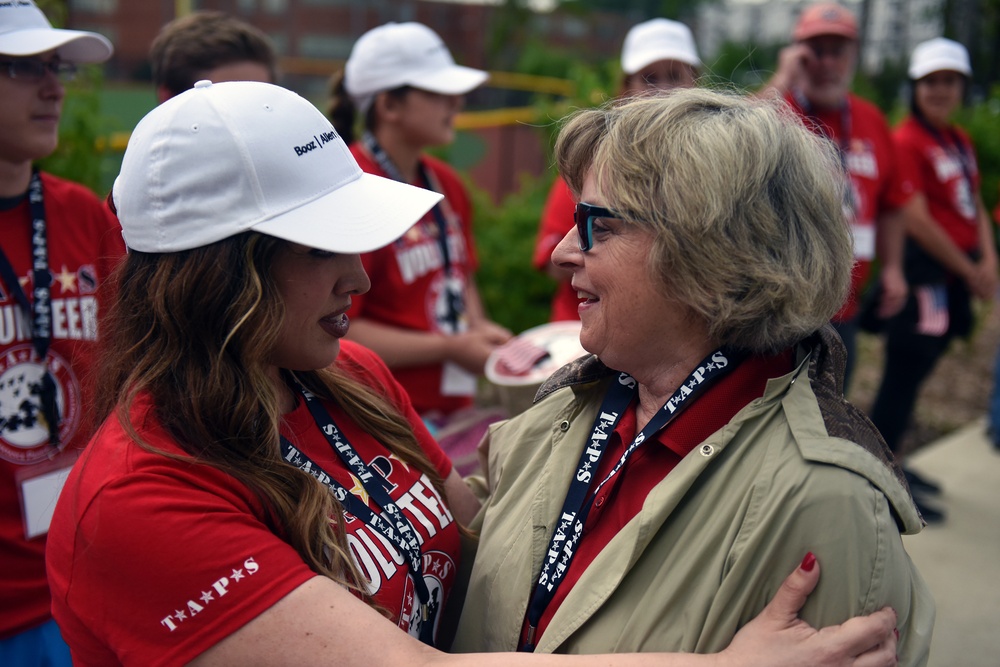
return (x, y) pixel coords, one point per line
(391, 524)
(39, 310)
(569, 529)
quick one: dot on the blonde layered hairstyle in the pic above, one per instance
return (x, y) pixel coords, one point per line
(746, 204)
(194, 330)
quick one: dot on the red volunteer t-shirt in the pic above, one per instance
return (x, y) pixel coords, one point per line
(84, 245)
(879, 181)
(408, 279)
(557, 220)
(153, 560)
(622, 498)
(938, 173)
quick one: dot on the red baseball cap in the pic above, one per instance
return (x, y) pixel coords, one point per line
(826, 18)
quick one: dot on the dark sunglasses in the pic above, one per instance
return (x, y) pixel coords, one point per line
(32, 70)
(584, 215)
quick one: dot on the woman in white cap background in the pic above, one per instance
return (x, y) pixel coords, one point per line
(423, 316)
(657, 55)
(261, 491)
(950, 251)
(57, 246)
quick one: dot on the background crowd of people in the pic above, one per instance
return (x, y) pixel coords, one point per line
(273, 375)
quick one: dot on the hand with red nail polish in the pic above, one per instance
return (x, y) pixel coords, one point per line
(779, 638)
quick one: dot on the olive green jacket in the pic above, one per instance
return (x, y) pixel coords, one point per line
(798, 469)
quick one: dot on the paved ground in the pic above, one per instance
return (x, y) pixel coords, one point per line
(960, 558)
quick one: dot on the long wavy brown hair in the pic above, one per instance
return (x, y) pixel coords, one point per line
(194, 330)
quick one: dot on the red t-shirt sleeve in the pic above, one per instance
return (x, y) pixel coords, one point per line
(368, 367)
(900, 185)
(557, 219)
(178, 550)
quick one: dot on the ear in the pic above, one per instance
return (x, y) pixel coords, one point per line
(388, 107)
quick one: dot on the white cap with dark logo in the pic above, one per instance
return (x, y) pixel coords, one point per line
(405, 54)
(24, 31)
(936, 55)
(225, 158)
(656, 40)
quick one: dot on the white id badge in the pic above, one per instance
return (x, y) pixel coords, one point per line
(40, 487)
(864, 242)
(456, 381)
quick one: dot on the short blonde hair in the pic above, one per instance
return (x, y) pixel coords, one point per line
(746, 204)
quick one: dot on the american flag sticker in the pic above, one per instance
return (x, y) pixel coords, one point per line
(932, 306)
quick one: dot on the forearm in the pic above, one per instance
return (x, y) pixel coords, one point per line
(398, 347)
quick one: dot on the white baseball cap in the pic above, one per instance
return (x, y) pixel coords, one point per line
(936, 55)
(405, 54)
(24, 31)
(225, 158)
(655, 40)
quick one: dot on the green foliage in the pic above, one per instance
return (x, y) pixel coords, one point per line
(514, 294)
(741, 66)
(981, 122)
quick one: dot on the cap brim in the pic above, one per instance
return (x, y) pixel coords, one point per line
(454, 80)
(361, 216)
(72, 45)
(633, 64)
(938, 65)
(819, 31)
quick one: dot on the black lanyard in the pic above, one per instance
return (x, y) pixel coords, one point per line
(456, 303)
(576, 507)
(843, 138)
(955, 149)
(391, 524)
(39, 309)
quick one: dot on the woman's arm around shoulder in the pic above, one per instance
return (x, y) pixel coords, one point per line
(321, 623)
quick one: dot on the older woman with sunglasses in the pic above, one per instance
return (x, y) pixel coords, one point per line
(657, 490)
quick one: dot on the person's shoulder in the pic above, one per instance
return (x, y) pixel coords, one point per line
(866, 111)
(357, 360)
(363, 159)
(62, 189)
(441, 169)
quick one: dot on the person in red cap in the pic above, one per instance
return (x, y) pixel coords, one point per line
(59, 243)
(814, 75)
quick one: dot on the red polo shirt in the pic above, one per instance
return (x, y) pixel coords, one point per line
(621, 500)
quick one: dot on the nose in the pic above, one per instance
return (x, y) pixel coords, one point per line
(354, 279)
(50, 87)
(567, 254)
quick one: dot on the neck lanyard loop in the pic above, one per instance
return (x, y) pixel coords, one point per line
(954, 148)
(456, 303)
(39, 309)
(843, 139)
(576, 507)
(391, 523)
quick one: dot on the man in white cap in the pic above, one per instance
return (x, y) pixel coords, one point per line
(814, 76)
(59, 242)
(657, 55)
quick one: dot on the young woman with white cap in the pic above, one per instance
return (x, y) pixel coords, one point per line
(950, 250)
(256, 474)
(423, 316)
(657, 55)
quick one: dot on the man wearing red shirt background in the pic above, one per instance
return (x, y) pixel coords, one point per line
(814, 76)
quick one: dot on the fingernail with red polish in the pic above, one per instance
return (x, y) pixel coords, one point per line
(809, 562)
(895, 631)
